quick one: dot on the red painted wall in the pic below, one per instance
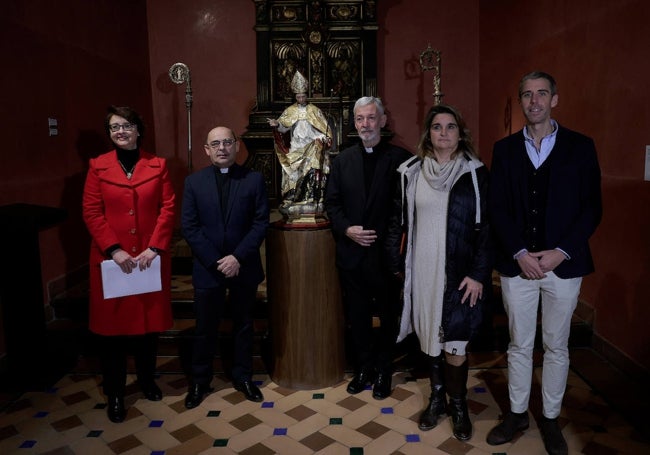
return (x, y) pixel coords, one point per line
(68, 60)
(405, 30)
(216, 40)
(598, 53)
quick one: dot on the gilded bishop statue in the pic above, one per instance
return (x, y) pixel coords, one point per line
(305, 159)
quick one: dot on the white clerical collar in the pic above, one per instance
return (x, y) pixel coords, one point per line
(369, 149)
(223, 170)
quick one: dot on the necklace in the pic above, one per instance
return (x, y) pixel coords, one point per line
(129, 174)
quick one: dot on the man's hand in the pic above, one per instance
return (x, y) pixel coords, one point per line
(228, 265)
(361, 236)
(549, 259)
(530, 267)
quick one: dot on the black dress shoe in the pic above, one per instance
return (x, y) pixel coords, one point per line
(360, 381)
(554, 442)
(250, 390)
(382, 387)
(504, 432)
(196, 394)
(152, 392)
(115, 409)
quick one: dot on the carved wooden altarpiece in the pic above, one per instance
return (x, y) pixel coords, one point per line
(333, 43)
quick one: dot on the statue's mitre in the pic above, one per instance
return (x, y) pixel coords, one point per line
(299, 84)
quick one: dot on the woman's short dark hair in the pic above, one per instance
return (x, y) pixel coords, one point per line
(465, 144)
(129, 114)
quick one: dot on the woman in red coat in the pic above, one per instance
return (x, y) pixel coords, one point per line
(128, 207)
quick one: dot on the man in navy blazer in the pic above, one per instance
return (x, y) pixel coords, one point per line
(225, 215)
(358, 201)
(545, 204)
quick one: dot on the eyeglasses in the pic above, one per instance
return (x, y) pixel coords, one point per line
(115, 127)
(226, 143)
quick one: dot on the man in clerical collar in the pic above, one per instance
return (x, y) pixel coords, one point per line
(225, 234)
(358, 201)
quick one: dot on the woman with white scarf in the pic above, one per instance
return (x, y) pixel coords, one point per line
(440, 235)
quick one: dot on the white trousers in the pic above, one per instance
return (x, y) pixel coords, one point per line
(521, 298)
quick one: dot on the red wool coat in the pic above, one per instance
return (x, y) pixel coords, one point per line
(135, 214)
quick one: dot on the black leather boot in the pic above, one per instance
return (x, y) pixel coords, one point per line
(456, 382)
(438, 399)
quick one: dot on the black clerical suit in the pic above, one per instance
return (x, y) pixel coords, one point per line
(359, 192)
(223, 215)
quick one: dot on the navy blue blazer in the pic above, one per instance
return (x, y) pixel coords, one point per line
(574, 205)
(347, 203)
(239, 230)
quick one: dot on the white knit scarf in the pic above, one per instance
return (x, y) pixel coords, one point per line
(442, 177)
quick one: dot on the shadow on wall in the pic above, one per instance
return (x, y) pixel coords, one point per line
(73, 235)
(413, 70)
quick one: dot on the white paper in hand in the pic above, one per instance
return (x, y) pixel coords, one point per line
(118, 284)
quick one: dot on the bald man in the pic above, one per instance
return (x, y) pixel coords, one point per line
(225, 215)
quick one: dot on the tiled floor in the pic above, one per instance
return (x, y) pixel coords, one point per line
(69, 418)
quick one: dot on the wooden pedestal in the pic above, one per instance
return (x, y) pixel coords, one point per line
(305, 308)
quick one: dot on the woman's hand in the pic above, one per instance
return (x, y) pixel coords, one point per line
(473, 290)
(124, 260)
(145, 258)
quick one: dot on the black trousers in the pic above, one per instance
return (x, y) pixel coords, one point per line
(366, 292)
(209, 309)
(114, 351)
